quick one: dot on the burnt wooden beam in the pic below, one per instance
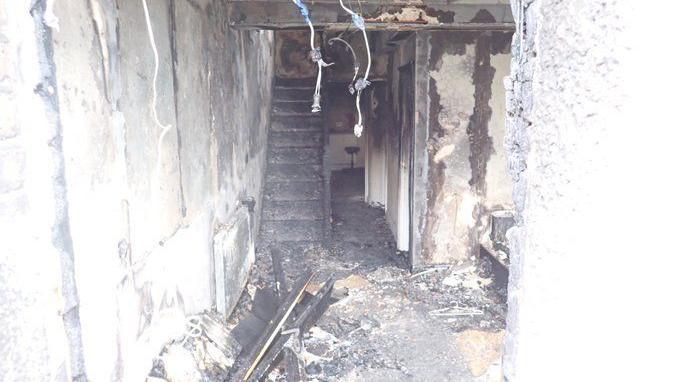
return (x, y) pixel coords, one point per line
(431, 15)
(312, 311)
(419, 183)
(295, 367)
(247, 364)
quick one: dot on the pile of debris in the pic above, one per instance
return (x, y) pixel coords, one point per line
(206, 353)
(271, 334)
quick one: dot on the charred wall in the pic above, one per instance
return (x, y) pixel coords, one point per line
(466, 170)
(122, 209)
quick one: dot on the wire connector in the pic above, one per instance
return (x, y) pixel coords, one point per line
(361, 84)
(358, 21)
(315, 55)
(358, 129)
(316, 105)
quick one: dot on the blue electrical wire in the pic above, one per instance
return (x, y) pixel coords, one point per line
(303, 10)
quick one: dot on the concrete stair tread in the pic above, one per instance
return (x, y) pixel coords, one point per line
(292, 107)
(295, 139)
(293, 173)
(291, 230)
(293, 114)
(286, 124)
(294, 155)
(295, 94)
(295, 82)
(291, 191)
(292, 210)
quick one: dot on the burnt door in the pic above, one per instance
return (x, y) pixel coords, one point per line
(406, 124)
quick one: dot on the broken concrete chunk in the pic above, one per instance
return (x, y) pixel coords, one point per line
(353, 282)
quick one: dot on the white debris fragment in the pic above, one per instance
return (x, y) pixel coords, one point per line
(467, 278)
(180, 364)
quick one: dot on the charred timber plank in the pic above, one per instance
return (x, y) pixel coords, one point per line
(247, 364)
(295, 365)
(258, 14)
(271, 359)
(304, 321)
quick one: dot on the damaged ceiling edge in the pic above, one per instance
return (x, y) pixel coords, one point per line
(277, 15)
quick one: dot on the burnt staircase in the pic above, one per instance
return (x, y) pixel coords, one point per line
(296, 203)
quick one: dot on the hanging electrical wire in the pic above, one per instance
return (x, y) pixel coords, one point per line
(354, 60)
(361, 83)
(315, 55)
(154, 91)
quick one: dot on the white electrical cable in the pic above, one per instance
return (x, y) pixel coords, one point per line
(354, 61)
(315, 56)
(360, 84)
(164, 128)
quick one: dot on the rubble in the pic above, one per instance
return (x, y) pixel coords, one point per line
(379, 321)
(379, 325)
(206, 353)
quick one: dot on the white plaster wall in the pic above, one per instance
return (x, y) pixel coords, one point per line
(339, 158)
(592, 142)
(375, 179)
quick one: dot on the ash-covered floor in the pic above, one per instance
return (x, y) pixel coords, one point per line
(387, 324)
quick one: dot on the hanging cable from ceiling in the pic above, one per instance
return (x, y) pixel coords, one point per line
(315, 55)
(354, 60)
(361, 83)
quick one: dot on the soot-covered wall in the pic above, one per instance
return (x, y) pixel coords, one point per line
(123, 222)
(466, 167)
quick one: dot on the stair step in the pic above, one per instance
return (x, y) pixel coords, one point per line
(293, 173)
(295, 139)
(294, 155)
(292, 210)
(289, 191)
(298, 107)
(291, 230)
(296, 124)
(305, 114)
(294, 94)
(295, 82)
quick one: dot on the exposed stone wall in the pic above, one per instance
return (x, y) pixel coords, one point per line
(592, 144)
(122, 222)
(465, 131)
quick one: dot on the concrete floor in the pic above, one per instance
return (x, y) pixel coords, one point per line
(388, 325)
